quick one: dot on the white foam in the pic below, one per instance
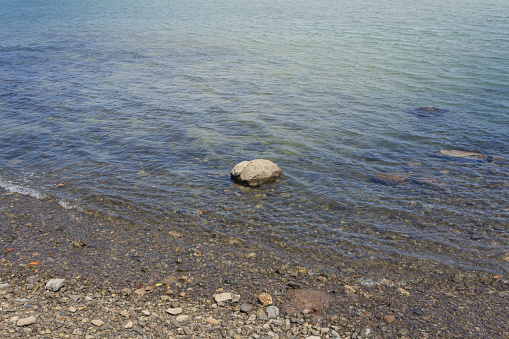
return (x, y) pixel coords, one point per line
(69, 206)
(371, 282)
(8, 186)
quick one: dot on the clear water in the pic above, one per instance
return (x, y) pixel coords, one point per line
(141, 109)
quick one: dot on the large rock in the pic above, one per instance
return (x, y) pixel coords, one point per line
(255, 172)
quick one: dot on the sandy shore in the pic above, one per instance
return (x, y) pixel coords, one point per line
(121, 279)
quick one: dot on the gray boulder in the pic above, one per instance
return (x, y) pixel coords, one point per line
(255, 172)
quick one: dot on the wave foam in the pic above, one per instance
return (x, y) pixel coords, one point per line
(69, 206)
(8, 186)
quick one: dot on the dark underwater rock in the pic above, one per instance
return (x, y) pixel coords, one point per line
(427, 181)
(429, 111)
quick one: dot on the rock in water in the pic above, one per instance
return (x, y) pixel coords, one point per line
(255, 172)
(390, 179)
(429, 111)
(462, 155)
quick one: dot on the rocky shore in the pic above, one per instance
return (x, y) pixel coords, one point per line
(125, 281)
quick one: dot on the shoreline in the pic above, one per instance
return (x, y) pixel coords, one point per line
(97, 254)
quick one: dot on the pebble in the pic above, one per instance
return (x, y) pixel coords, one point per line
(294, 284)
(174, 311)
(389, 318)
(265, 299)
(128, 325)
(222, 297)
(212, 321)
(366, 332)
(182, 318)
(272, 312)
(75, 298)
(235, 298)
(97, 322)
(33, 279)
(55, 284)
(21, 300)
(278, 322)
(169, 280)
(245, 307)
(140, 292)
(262, 315)
(26, 321)
(334, 335)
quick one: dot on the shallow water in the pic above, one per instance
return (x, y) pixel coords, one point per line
(141, 110)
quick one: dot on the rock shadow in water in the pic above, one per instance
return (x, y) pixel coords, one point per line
(429, 112)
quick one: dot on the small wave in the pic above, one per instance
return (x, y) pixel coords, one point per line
(69, 206)
(8, 186)
(371, 282)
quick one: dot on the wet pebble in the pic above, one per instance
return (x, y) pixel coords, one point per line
(245, 307)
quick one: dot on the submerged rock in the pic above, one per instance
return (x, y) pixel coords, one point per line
(429, 111)
(390, 179)
(462, 155)
(255, 172)
(427, 181)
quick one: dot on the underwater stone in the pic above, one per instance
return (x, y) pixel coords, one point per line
(462, 155)
(390, 178)
(429, 111)
(255, 172)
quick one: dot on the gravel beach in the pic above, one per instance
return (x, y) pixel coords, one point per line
(73, 274)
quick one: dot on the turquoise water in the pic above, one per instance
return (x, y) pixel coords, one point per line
(141, 109)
